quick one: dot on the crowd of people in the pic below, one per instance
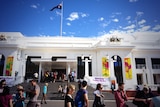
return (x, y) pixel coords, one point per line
(143, 98)
(53, 76)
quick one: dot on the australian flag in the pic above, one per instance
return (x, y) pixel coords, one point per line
(59, 6)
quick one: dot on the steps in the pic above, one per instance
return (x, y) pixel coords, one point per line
(52, 93)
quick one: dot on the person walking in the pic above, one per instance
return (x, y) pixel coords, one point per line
(120, 96)
(33, 94)
(6, 98)
(81, 99)
(68, 102)
(44, 93)
(99, 97)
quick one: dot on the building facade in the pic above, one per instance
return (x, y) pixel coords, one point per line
(134, 60)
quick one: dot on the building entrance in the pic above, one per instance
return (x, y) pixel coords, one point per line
(41, 66)
(118, 69)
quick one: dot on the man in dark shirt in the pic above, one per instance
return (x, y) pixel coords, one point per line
(143, 98)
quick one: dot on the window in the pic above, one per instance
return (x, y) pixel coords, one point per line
(155, 63)
(139, 79)
(2, 60)
(156, 78)
(140, 63)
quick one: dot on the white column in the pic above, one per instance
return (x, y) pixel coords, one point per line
(86, 67)
(68, 69)
(40, 69)
(144, 76)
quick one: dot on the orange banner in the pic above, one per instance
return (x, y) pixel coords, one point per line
(9, 66)
(105, 67)
(128, 68)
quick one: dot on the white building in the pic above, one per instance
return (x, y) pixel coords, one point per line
(134, 60)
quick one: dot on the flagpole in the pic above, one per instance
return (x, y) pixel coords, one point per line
(61, 23)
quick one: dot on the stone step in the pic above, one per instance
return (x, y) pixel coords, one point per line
(53, 94)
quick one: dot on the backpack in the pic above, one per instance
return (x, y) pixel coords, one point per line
(79, 100)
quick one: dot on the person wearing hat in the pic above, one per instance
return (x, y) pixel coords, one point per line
(143, 98)
(20, 97)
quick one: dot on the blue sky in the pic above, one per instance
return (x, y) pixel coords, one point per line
(81, 18)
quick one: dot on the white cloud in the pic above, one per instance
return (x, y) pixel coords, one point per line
(144, 28)
(130, 27)
(142, 22)
(128, 17)
(130, 31)
(34, 6)
(133, 0)
(115, 14)
(69, 24)
(115, 20)
(73, 16)
(100, 19)
(139, 13)
(83, 15)
(157, 27)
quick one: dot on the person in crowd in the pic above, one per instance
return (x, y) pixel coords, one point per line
(143, 98)
(35, 75)
(63, 77)
(44, 93)
(6, 98)
(79, 84)
(81, 98)
(51, 76)
(155, 102)
(137, 88)
(2, 85)
(33, 94)
(54, 76)
(46, 76)
(28, 88)
(68, 102)
(60, 91)
(120, 96)
(65, 90)
(99, 97)
(20, 97)
(72, 76)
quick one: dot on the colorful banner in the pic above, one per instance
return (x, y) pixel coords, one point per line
(9, 66)
(105, 67)
(128, 68)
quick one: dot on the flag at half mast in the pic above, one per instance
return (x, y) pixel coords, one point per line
(59, 6)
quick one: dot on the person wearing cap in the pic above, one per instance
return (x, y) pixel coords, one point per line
(143, 98)
(20, 97)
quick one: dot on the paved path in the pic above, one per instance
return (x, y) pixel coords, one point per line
(60, 103)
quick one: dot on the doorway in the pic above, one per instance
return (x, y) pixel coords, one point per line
(118, 68)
